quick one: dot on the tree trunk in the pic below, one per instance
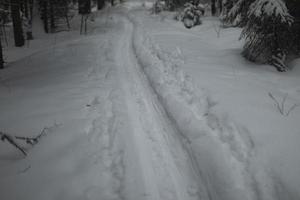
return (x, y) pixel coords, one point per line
(220, 2)
(1, 56)
(17, 23)
(52, 21)
(25, 5)
(213, 7)
(45, 15)
(100, 4)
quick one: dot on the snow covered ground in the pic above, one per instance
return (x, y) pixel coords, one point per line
(240, 90)
(142, 108)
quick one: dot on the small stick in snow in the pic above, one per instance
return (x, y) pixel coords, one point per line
(281, 106)
(29, 140)
(24, 170)
(33, 140)
(12, 142)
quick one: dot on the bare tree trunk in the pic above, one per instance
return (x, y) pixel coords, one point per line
(213, 7)
(220, 6)
(100, 4)
(1, 56)
(52, 21)
(31, 9)
(17, 23)
(25, 5)
(30, 15)
(45, 15)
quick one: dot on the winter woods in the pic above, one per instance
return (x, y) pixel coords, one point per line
(54, 14)
(270, 29)
(20, 13)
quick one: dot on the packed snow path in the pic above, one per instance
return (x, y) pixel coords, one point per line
(145, 132)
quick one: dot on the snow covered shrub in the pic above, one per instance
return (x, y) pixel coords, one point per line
(238, 13)
(268, 33)
(191, 15)
(161, 5)
(158, 6)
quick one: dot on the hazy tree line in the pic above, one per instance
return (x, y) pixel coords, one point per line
(271, 28)
(55, 15)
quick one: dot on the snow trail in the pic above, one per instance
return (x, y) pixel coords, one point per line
(160, 154)
(227, 170)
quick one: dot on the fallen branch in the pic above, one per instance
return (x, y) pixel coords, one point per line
(281, 106)
(29, 140)
(32, 140)
(11, 140)
(24, 170)
(217, 30)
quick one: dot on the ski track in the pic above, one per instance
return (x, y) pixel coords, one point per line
(161, 134)
(152, 132)
(105, 146)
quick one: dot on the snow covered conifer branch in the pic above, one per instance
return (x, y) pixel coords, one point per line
(268, 33)
(238, 14)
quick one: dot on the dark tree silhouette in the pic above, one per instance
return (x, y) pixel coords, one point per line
(1, 56)
(84, 6)
(213, 7)
(100, 4)
(17, 23)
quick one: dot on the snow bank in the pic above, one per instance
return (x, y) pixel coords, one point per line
(221, 150)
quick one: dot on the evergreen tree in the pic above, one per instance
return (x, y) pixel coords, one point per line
(238, 12)
(85, 6)
(268, 33)
(294, 10)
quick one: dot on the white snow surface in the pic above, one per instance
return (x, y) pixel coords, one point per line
(142, 108)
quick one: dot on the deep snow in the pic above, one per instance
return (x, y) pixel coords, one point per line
(142, 108)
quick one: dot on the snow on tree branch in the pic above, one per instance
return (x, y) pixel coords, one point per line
(271, 8)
